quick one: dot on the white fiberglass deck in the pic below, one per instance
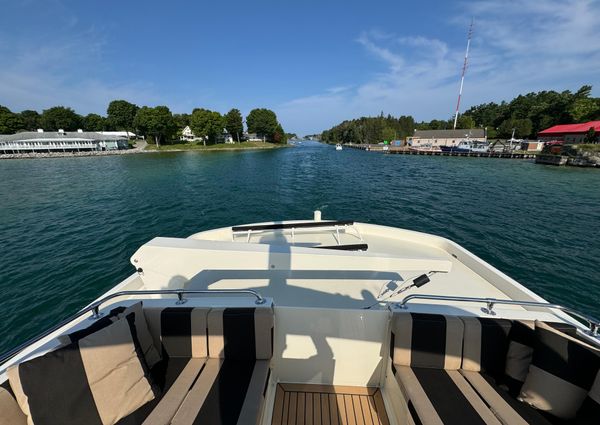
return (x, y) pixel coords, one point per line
(339, 279)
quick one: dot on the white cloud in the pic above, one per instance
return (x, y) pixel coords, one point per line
(518, 46)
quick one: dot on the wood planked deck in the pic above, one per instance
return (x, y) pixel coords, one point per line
(303, 404)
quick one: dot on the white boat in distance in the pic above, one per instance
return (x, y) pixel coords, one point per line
(315, 321)
(338, 147)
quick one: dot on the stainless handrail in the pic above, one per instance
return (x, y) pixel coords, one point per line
(593, 323)
(95, 309)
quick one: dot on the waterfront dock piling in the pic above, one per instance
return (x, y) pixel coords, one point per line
(403, 150)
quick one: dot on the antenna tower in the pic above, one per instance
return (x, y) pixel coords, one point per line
(464, 70)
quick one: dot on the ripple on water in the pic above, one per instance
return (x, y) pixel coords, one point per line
(68, 226)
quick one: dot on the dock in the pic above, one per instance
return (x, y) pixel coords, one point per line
(403, 150)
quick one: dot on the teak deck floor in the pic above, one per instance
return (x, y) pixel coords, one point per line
(302, 404)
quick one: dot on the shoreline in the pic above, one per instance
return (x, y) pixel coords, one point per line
(134, 151)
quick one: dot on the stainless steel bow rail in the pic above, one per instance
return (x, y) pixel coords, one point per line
(94, 308)
(593, 323)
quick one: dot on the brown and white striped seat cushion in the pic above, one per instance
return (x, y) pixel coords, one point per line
(99, 379)
(232, 384)
(179, 332)
(508, 409)
(561, 374)
(235, 333)
(228, 391)
(142, 334)
(427, 340)
(442, 397)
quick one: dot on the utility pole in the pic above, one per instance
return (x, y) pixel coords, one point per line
(464, 70)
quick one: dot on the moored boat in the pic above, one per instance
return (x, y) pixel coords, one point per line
(467, 146)
(273, 323)
(338, 147)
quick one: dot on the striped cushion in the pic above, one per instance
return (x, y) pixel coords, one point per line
(151, 355)
(236, 384)
(97, 380)
(165, 410)
(562, 372)
(427, 340)
(442, 397)
(589, 413)
(485, 344)
(240, 333)
(501, 403)
(178, 331)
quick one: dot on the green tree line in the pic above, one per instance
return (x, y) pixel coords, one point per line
(527, 114)
(157, 123)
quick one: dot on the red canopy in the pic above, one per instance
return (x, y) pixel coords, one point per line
(559, 130)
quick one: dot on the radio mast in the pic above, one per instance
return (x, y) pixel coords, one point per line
(464, 70)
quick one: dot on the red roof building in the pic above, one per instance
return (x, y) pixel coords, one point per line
(570, 133)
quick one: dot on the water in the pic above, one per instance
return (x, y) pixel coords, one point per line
(69, 226)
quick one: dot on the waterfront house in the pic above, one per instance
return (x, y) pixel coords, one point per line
(60, 141)
(569, 133)
(187, 135)
(435, 138)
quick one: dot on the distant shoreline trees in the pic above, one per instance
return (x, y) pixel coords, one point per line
(526, 114)
(157, 123)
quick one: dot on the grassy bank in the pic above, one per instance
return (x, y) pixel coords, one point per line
(219, 147)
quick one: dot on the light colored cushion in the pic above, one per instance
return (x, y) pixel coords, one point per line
(99, 379)
(142, 334)
(562, 372)
(10, 412)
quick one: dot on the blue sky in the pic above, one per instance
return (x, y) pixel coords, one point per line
(315, 63)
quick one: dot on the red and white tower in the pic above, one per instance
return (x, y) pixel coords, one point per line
(464, 70)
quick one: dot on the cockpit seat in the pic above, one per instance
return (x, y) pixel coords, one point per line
(470, 370)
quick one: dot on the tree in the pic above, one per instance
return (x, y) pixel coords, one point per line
(465, 122)
(279, 135)
(522, 128)
(388, 134)
(263, 122)
(591, 136)
(156, 122)
(60, 117)
(207, 124)
(31, 120)
(9, 121)
(121, 114)
(233, 123)
(93, 122)
(182, 120)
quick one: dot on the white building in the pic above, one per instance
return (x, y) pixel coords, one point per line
(60, 141)
(433, 138)
(187, 135)
(127, 134)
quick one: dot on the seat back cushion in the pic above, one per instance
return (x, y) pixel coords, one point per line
(97, 380)
(151, 354)
(10, 412)
(178, 331)
(427, 340)
(485, 344)
(589, 413)
(240, 333)
(561, 374)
